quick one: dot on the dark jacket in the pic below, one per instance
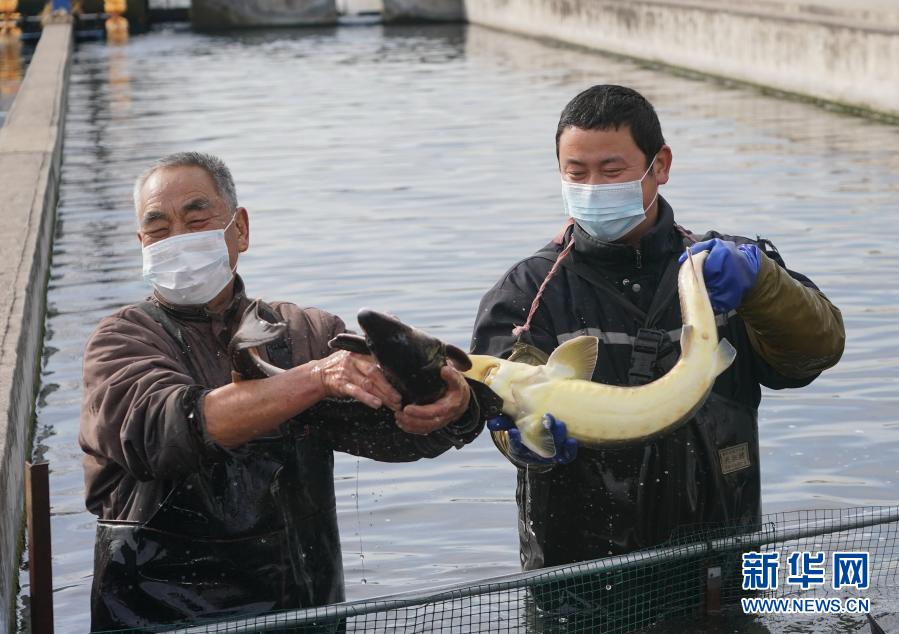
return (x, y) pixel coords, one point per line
(187, 528)
(615, 500)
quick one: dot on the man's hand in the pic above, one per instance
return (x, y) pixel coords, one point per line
(729, 271)
(424, 419)
(566, 448)
(347, 374)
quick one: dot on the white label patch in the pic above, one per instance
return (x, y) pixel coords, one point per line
(734, 458)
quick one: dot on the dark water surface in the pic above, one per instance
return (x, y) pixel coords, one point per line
(406, 169)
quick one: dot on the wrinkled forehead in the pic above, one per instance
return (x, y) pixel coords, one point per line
(177, 190)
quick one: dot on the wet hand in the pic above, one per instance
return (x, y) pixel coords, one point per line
(730, 271)
(351, 375)
(566, 448)
(424, 419)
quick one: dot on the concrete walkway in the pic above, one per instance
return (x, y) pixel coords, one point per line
(30, 156)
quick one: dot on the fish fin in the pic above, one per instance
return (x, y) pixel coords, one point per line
(481, 364)
(724, 356)
(535, 435)
(574, 359)
(457, 358)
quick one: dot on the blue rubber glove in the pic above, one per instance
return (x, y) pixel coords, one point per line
(729, 271)
(566, 448)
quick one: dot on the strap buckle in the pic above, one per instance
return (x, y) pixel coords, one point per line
(647, 343)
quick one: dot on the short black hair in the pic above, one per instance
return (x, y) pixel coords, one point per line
(608, 106)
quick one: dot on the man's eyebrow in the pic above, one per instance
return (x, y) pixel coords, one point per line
(153, 216)
(612, 159)
(196, 204)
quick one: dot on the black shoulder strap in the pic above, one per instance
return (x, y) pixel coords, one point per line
(651, 344)
(666, 291)
(596, 279)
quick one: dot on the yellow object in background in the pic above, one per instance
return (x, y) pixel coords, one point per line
(113, 7)
(116, 29)
(10, 63)
(8, 19)
(116, 24)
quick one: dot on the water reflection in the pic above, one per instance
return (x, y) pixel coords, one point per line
(11, 71)
(406, 168)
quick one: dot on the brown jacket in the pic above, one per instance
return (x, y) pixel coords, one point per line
(140, 414)
(188, 529)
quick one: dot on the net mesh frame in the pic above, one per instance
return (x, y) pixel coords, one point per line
(689, 576)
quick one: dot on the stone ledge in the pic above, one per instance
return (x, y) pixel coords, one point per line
(30, 157)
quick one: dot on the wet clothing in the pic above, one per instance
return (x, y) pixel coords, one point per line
(618, 499)
(190, 529)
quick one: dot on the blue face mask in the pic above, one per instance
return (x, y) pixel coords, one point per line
(606, 212)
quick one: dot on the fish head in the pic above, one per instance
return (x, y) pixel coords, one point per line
(410, 358)
(396, 345)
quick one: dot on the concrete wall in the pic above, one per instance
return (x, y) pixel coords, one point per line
(212, 15)
(429, 10)
(846, 52)
(30, 156)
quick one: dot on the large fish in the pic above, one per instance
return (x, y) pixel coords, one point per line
(597, 414)
(410, 358)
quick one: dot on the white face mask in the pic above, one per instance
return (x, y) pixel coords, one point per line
(607, 212)
(189, 269)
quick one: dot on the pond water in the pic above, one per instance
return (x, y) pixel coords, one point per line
(405, 169)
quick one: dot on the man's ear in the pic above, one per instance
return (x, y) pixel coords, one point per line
(662, 165)
(242, 222)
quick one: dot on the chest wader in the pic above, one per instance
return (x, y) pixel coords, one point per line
(617, 500)
(226, 540)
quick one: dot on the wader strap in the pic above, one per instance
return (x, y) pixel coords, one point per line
(171, 328)
(651, 343)
(665, 292)
(647, 343)
(595, 279)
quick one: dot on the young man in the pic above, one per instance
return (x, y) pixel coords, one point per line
(616, 268)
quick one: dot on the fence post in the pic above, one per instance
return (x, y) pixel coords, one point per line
(37, 510)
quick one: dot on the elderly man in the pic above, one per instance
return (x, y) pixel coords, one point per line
(210, 502)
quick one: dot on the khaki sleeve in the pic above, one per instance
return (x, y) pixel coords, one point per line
(793, 327)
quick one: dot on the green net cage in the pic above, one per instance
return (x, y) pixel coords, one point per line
(699, 574)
